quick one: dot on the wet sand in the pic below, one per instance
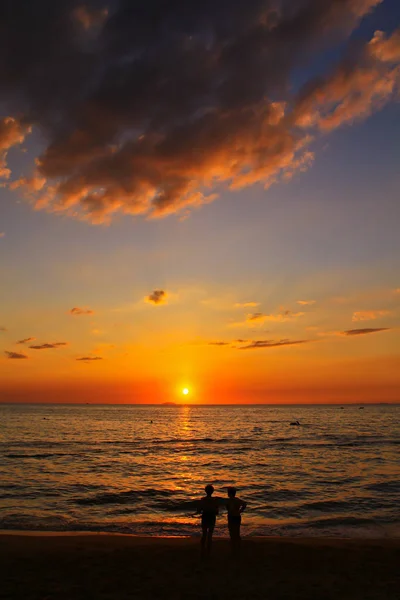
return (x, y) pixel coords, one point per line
(108, 567)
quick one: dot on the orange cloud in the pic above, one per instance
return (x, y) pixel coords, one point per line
(15, 355)
(247, 304)
(369, 315)
(355, 89)
(259, 318)
(49, 346)
(2, 234)
(12, 132)
(81, 311)
(306, 302)
(272, 344)
(89, 358)
(157, 297)
(26, 340)
(352, 332)
(88, 17)
(194, 118)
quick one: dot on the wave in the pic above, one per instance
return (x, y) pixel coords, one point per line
(127, 497)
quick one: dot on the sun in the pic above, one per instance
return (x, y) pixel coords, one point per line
(185, 391)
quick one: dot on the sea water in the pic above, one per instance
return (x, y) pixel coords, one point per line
(140, 468)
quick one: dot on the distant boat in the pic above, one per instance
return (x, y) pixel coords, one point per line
(295, 423)
(360, 408)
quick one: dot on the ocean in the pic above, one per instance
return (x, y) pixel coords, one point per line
(140, 468)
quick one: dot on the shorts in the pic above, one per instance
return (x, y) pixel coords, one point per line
(234, 519)
(208, 520)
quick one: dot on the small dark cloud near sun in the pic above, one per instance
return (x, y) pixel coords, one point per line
(272, 344)
(157, 297)
(49, 346)
(219, 344)
(89, 358)
(15, 355)
(80, 311)
(26, 340)
(365, 331)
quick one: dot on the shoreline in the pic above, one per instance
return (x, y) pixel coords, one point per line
(196, 537)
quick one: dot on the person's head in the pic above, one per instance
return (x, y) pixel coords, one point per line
(231, 492)
(209, 489)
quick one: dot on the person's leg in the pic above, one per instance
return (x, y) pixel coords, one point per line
(209, 539)
(203, 538)
(234, 531)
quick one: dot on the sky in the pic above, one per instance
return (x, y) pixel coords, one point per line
(200, 196)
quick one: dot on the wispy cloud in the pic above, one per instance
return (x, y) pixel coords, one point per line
(369, 315)
(80, 311)
(258, 318)
(2, 234)
(256, 345)
(246, 304)
(157, 297)
(26, 340)
(49, 346)
(306, 302)
(14, 355)
(89, 358)
(2, 329)
(365, 331)
(219, 343)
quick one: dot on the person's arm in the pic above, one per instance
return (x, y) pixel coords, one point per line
(199, 507)
(243, 505)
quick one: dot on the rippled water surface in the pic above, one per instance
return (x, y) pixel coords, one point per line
(139, 469)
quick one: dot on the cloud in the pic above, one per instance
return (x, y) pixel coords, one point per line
(306, 302)
(89, 358)
(153, 116)
(358, 87)
(272, 344)
(157, 297)
(259, 318)
(247, 304)
(12, 132)
(81, 311)
(219, 344)
(14, 355)
(2, 234)
(369, 315)
(87, 17)
(3, 329)
(26, 340)
(49, 346)
(352, 332)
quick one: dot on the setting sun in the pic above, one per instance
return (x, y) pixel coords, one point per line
(185, 391)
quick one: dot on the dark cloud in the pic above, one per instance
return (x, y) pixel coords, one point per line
(3, 329)
(218, 344)
(364, 331)
(90, 358)
(26, 340)
(272, 344)
(149, 106)
(81, 311)
(14, 355)
(157, 297)
(48, 346)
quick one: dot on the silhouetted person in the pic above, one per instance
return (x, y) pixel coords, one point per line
(208, 507)
(235, 507)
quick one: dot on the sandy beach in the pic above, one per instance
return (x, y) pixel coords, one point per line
(117, 566)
